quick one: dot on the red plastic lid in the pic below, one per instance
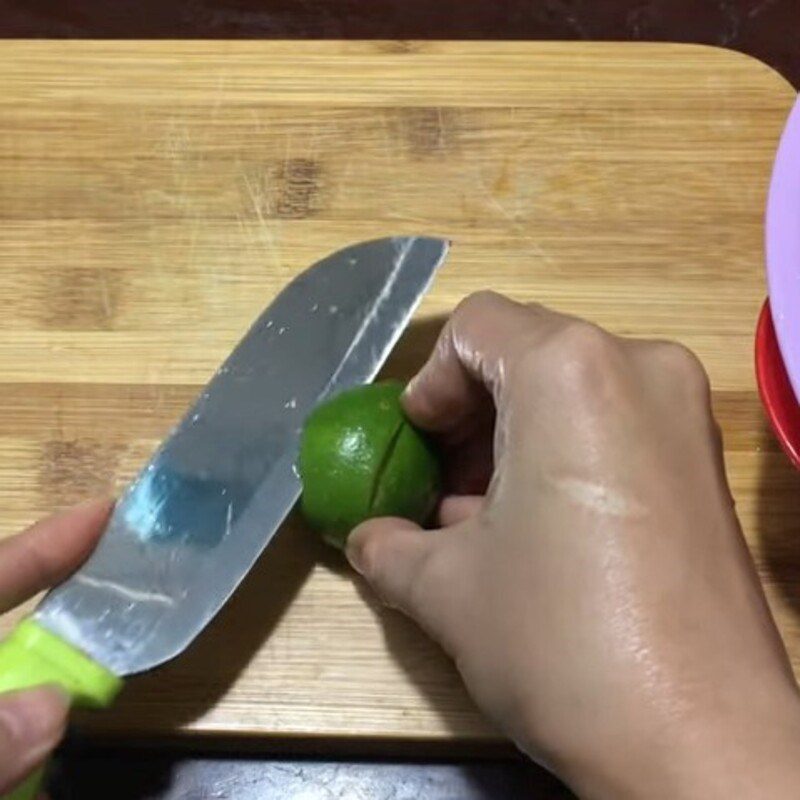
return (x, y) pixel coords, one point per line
(775, 389)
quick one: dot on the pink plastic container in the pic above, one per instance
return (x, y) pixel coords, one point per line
(778, 332)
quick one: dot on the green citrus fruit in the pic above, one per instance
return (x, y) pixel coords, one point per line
(361, 458)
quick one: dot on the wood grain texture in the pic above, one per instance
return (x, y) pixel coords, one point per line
(155, 196)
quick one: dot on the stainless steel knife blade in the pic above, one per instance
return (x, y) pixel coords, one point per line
(193, 522)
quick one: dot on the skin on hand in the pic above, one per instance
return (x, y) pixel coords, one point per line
(32, 722)
(590, 578)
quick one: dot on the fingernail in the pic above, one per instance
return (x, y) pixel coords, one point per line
(353, 551)
(410, 388)
(102, 501)
(34, 719)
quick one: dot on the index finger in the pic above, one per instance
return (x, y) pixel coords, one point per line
(470, 362)
(49, 551)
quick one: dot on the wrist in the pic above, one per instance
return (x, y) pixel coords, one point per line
(747, 754)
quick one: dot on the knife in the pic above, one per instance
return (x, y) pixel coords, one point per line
(193, 522)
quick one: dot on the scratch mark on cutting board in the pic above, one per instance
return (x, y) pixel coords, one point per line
(389, 142)
(194, 230)
(175, 141)
(533, 247)
(105, 297)
(440, 127)
(259, 126)
(219, 93)
(257, 197)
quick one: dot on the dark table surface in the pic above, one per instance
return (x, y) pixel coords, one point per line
(766, 29)
(126, 775)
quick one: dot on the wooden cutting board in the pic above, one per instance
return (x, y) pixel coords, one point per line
(155, 196)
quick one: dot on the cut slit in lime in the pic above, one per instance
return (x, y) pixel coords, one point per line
(361, 458)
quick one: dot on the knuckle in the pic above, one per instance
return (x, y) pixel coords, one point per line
(487, 302)
(583, 343)
(370, 557)
(473, 308)
(574, 358)
(685, 366)
(480, 298)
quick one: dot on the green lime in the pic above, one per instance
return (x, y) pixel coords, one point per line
(361, 458)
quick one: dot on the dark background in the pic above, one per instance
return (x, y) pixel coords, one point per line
(767, 29)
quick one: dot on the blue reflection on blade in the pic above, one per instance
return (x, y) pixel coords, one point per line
(169, 507)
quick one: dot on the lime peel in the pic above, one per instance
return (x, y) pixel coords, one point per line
(360, 457)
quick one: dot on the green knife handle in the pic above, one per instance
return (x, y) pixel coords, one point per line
(32, 656)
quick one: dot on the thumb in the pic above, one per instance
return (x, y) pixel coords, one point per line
(31, 724)
(389, 552)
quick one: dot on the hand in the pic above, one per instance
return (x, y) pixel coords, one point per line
(597, 595)
(32, 722)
